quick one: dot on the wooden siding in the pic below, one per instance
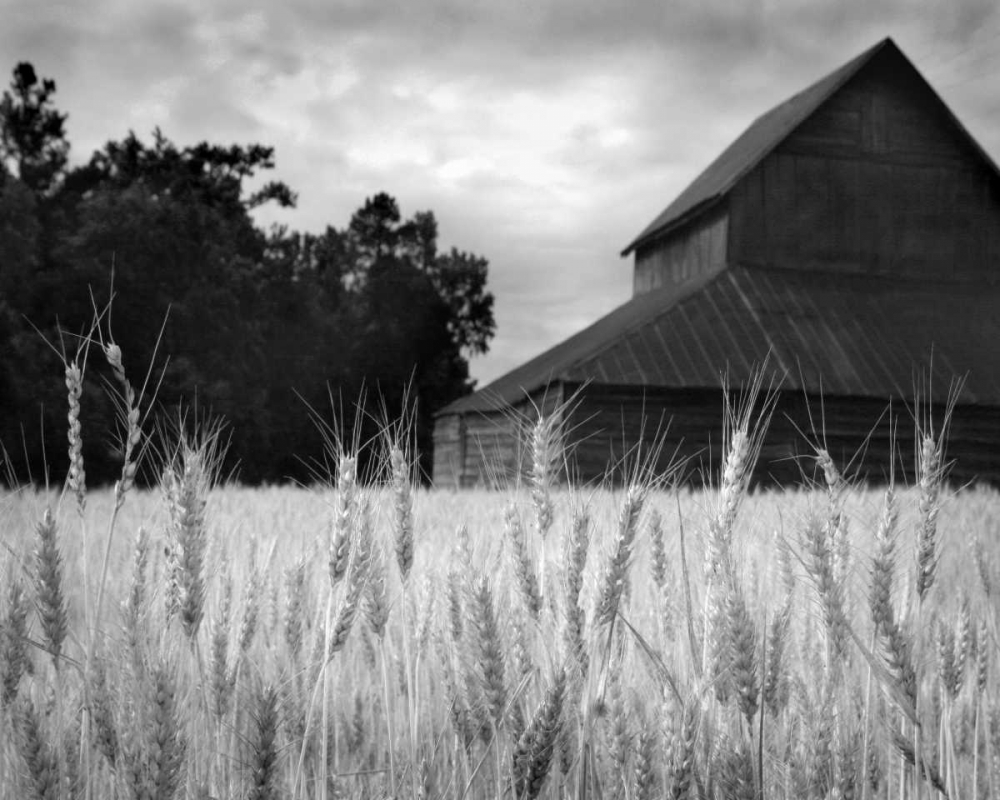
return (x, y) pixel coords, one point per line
(474, 449)
(614, 427)
(610, 422)
(488, 448)
(691, 254)
(878, 181)
(449, 450)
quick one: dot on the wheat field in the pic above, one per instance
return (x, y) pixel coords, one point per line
(377, 640)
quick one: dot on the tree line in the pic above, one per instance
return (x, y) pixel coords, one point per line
(265, 329)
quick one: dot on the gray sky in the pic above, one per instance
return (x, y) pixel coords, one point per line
(544, 135)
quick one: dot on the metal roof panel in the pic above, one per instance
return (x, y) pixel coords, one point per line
(840, 334)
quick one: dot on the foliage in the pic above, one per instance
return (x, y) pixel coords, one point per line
(32, 136)
(261, 326)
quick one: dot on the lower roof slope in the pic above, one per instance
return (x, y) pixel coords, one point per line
(836, 334)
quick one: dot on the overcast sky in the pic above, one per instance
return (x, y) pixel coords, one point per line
(544, 135)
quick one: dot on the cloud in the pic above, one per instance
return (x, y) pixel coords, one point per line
(544, 135)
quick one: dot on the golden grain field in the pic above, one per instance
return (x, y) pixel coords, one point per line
(357, 641)
(376, 640)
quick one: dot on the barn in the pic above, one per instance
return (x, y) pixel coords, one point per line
(851, 236)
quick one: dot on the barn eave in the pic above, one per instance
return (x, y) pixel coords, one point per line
(824, 334)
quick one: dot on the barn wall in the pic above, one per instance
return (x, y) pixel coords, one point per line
(616, 427)
(610, 421)
(878, 181)
(474, 449)
(449, 455)
(485, 449)
(613, 426)
(862, 425)
(691, 254)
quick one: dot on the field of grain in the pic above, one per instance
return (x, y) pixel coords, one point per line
(383, 641)
(377, 640)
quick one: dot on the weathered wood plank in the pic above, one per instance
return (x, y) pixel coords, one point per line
(611, 422)
(614, 427)
(689, 255)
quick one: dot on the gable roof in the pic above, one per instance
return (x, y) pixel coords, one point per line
(850, 335)
(767, 132)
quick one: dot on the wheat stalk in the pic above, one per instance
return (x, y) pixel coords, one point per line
(186, 483)
(619, 740)
(103, 716)
(40, 761)
(133, 430)
(948, 672)
(883, 565)
(774, 688)
(163, 760)
(820, 566)
(982, 658)
(835, 483)
(736, 468)
(743, 654)
(403, 507)
(76, 478)
(221, 678)
(645, 777)
(340, 543)
(425, 623)
(681, 770)
(524, 569)
(134, 606)
(658, 560)
(616, 570)
(546, 450)
(376, 604)
(930, 476)
(736, 771)
(348, 609)
(264, 752)
(533, 752)
(575, 557)
(14, 660)
(896, 646)
(49, 583)
(489, 653)
(253, 590)
(295, 592)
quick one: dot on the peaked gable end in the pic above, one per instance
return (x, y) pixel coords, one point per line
(770, 130)
(880, 179)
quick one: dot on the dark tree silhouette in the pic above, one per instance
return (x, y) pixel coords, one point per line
(261, 326)
(33, 141)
